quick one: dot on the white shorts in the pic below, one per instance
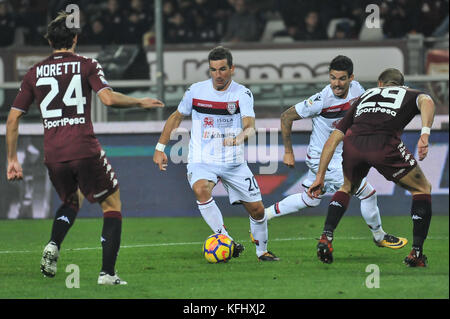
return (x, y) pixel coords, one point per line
(237, 179)
(334, 177)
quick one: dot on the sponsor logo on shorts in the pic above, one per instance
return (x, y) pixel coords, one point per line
(398, 172)
(415, 217)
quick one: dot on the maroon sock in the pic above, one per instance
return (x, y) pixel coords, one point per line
(336, 209)
(111, 233)
(421, 217)
(64, 218)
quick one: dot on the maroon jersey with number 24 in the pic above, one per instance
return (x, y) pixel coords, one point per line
(61, 85)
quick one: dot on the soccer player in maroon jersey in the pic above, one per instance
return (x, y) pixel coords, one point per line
(61, 85)
(371, 131)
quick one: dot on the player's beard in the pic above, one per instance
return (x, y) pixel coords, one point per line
(220, 87)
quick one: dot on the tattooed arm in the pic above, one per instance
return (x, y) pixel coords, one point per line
(287, 117)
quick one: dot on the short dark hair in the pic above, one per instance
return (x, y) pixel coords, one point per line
(342, 63)
(59, 35)
(391, 77)
(221, 53)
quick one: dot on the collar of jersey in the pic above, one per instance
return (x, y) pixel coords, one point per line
(67, 53)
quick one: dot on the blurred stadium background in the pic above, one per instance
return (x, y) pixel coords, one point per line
(281, 50)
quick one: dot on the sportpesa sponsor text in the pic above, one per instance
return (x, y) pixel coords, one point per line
(64, 122)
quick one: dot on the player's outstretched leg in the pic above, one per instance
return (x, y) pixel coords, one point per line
(291, 204)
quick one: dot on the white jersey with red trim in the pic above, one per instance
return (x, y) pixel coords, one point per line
(216, 115)
(326, 110)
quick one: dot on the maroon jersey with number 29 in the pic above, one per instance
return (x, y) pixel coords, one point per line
(373, 128)
(382, 110)
(61, 85)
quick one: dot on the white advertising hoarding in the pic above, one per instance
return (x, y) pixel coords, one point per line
(276, 64)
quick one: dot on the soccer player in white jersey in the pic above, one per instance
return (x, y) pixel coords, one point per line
(326, 109)
(222, 119)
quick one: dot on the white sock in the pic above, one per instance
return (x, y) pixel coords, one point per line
(291, 204)
(286, 206)
(259, 232)
(370, 211)
(212, 216)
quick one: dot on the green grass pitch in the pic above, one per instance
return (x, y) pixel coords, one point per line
(161, 259)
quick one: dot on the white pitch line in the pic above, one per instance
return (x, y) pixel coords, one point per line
(164, 244)
(196, 243)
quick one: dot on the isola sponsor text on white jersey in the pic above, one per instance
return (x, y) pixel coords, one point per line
(326, 110)
(216, 115)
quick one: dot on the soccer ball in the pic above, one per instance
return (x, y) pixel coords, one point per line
(218, 248)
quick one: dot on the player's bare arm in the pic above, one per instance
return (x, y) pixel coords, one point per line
(248, 130)
(287, 118)
(173, 122)
(118, 100)
(315, 190)
(427, 109)
(14, 169)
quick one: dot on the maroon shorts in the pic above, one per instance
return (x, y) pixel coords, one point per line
(93, 175)
(387, 154)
